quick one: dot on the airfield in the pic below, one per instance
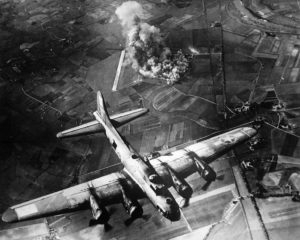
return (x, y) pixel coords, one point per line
(252, 56)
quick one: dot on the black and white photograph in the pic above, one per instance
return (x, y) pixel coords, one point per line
(149, 119)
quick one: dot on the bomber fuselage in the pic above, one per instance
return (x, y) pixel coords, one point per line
(142, 174)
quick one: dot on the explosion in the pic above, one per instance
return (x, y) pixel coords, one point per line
(147, 51)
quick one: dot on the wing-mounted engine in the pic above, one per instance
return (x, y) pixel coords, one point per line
(131, 205)
(205, 171)
(99, 212)
(156, 183)
(180, 185)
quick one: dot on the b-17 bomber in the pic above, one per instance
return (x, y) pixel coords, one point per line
(139, 178)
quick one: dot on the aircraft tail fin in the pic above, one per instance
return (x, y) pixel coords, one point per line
(101, 114)
(101, 105)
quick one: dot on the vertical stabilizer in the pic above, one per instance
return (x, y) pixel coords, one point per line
(101, 110)
(100, 105)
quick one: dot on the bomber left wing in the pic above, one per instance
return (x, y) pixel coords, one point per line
(95, 194)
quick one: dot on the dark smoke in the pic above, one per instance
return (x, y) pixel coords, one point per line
(147, 51)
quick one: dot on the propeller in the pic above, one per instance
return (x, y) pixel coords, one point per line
(131, 219)
(107, 226)
(208, 183)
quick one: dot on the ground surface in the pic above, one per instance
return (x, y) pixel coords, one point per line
(77, 48)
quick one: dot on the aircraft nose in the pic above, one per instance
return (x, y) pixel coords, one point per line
(9, 215)
(174, 215)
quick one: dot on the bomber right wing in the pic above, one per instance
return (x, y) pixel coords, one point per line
(197, 156)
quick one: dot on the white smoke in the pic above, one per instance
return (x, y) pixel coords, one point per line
(147, 51)
(128, 12)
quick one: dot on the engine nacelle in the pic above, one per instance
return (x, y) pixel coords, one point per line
(182, 188)
(99, 212)
(205, 171)
(180, 185)
(131, 205)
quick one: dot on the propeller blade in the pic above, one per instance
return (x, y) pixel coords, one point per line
(107, 226)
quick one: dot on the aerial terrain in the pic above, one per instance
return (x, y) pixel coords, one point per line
(243, 63)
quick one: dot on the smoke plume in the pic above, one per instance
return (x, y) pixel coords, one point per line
(146, 48)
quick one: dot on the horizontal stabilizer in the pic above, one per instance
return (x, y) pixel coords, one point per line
(84, 129)
(95, 127)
